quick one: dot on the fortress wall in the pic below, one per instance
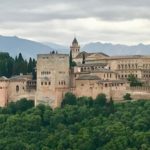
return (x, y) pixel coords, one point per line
(4, 93)
(52, 74)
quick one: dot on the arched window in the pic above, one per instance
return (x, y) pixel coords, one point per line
(17, 88)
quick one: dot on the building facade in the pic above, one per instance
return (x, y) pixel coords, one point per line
(94, 73)
(52, 78)
(15, 88)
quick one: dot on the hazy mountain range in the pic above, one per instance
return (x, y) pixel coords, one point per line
(29, 48)
(117, 49)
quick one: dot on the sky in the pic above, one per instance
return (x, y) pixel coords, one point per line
(58, 21)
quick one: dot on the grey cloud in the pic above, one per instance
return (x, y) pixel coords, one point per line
(24, 10)
(58, 20)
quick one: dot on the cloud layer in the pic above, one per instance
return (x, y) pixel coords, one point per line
(91, 20)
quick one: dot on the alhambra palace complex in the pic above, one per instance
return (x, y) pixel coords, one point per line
(94, 73)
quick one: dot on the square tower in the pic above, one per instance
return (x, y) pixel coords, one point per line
(52, 78)
(74, 48)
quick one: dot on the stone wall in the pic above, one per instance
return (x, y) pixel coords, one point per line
(52, 74)
(3, 92)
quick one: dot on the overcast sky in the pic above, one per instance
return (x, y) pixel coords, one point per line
(116, 21)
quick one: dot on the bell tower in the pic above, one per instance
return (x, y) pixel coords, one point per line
(74, 48)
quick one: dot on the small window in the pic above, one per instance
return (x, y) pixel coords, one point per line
(49, 83)
(41, 83)
(17, 88)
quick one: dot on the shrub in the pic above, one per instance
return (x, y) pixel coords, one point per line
(127, 96)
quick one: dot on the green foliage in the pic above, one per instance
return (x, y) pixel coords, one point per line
(10, 66)
(6, 64)
(69, 99)
(19, 106)
(134, 81)
(77, 127)
(83, 58)
(127, 96)
(101, 100)
(71, 62)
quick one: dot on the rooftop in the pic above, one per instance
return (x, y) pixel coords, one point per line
(88, 77)
(92, 64)
(74, 41)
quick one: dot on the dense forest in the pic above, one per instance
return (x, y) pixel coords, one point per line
(80, 124)
(14, 66)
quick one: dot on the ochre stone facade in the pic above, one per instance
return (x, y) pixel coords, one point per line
(15, 88)
(95, 73)
(52, 78)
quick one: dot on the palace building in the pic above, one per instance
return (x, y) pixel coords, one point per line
(93, 74)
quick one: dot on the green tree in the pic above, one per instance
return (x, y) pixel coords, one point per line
(83, 58)
(69, 99)
(134, 81)
(101, 100)
(71, 62)
(127, 96)
(19, 106)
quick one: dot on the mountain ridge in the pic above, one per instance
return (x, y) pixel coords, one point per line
(117, 49)
(15, 45)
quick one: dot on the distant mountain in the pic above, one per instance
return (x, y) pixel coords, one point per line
(14, 45)
(118, 49)
(58, 47)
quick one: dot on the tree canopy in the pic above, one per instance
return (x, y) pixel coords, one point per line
(14, 66)
(80, 126)
(134, 81)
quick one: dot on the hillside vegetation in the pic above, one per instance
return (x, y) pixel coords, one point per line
(80, 124)
(14, 66)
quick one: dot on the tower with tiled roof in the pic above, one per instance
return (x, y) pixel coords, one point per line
(75, 48)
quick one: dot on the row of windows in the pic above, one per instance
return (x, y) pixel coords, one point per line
(107, 75)
(45, 72)
(127, 66)
(91, 68)
(46, 83)
(131, 72)
(146, 65)
(76, 50)
(126, 76)
(128, 61)
(17, 88)
(148, 71)
(49, 83)
(112, 84)
(109, 84)
(146, 76)
(62, 82)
